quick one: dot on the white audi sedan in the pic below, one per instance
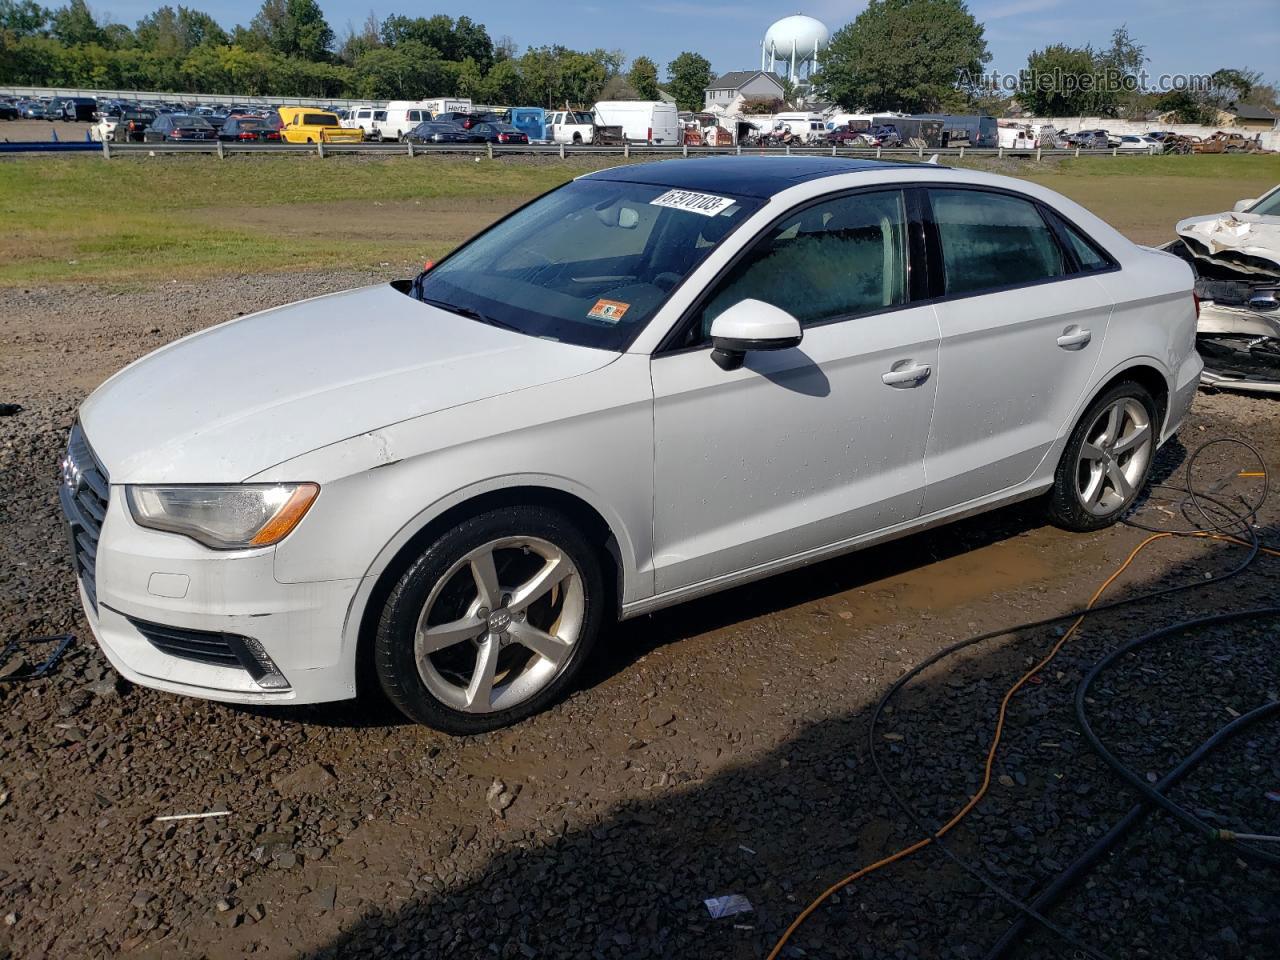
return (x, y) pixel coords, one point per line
(653, 383)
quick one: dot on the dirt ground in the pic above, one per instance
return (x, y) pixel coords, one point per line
(716, 748)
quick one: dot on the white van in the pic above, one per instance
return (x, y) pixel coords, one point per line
(403, 116)
(362, 118)
(642, 121)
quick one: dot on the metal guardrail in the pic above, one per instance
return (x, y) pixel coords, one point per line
(50, 146)
(222, 149)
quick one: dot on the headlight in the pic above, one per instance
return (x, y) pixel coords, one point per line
(224, 517)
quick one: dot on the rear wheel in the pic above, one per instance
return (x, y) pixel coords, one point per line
(1106, 461)
(492, 622)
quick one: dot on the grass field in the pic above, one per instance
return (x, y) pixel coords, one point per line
(81, 219)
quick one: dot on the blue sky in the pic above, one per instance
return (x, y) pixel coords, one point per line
(1181, 36)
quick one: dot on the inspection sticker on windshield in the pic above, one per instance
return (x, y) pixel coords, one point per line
(706, 204)
(610, 311)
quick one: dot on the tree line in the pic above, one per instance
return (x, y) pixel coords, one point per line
(908, 55)
(924, 56)
(289, 49)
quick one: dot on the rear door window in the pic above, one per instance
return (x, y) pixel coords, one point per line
(991, 240)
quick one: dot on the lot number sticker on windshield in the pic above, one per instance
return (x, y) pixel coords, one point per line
(610, 311)
(706, 204)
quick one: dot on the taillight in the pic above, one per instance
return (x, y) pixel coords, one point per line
(502, 138)
(273, 135)
(651, 134)
(248, 136)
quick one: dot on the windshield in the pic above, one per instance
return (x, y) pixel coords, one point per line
(587, 264)
(1269, 205)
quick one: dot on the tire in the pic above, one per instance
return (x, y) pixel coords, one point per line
(444, 687)
(1106, 461)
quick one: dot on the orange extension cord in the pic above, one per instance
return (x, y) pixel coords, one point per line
(995, 742)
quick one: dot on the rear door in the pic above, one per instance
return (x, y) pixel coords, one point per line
(1022, 323)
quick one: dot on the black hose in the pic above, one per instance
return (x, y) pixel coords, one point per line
(1126, 773)
(1247, 533)
(1137, 813)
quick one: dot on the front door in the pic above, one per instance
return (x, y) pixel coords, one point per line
(801, 448)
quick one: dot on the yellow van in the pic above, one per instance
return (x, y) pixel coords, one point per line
(309, 125)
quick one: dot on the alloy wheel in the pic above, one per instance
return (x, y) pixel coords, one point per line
(500, 625)
(1114, 456)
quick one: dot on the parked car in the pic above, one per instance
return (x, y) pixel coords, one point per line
(1225, 141)
(849, 134)
(1236, 257)
(79, 109)
(128, 126)
(627, 393)
(1089, 140)
(308, 125)
(179, 127)
(8, 111)
(246, 129)
(31, 110)
(435, 131)
(497, 132)
(465, 120)
(571, 126)
(1135, 142)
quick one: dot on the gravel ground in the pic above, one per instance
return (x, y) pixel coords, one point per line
(716, 748)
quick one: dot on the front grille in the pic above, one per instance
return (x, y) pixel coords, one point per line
(202, 646)
(84, 493)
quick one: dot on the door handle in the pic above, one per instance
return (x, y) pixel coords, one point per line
(906, 373)
(1073, 337)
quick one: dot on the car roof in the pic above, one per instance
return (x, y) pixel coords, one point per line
(746, 176)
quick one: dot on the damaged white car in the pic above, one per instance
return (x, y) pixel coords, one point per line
(1236, 257)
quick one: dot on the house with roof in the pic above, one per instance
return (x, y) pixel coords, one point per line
(1248, 116)
(730, 89)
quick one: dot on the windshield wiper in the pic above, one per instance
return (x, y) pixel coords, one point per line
(470, 314)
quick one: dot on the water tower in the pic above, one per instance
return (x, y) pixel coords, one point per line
(798, 42)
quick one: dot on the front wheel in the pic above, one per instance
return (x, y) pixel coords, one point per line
(492, 622)
(1106, 460)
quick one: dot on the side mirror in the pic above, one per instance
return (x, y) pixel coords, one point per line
(751, 325)
(1243, 205)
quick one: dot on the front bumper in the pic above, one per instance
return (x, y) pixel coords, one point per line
(151, 577)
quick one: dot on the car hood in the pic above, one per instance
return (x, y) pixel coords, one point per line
(228, 402)
(1247, 241)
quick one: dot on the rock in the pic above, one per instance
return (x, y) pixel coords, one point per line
(660, 716)
(223, 905)
(305, 781)
(106, 688)
(323, 899)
